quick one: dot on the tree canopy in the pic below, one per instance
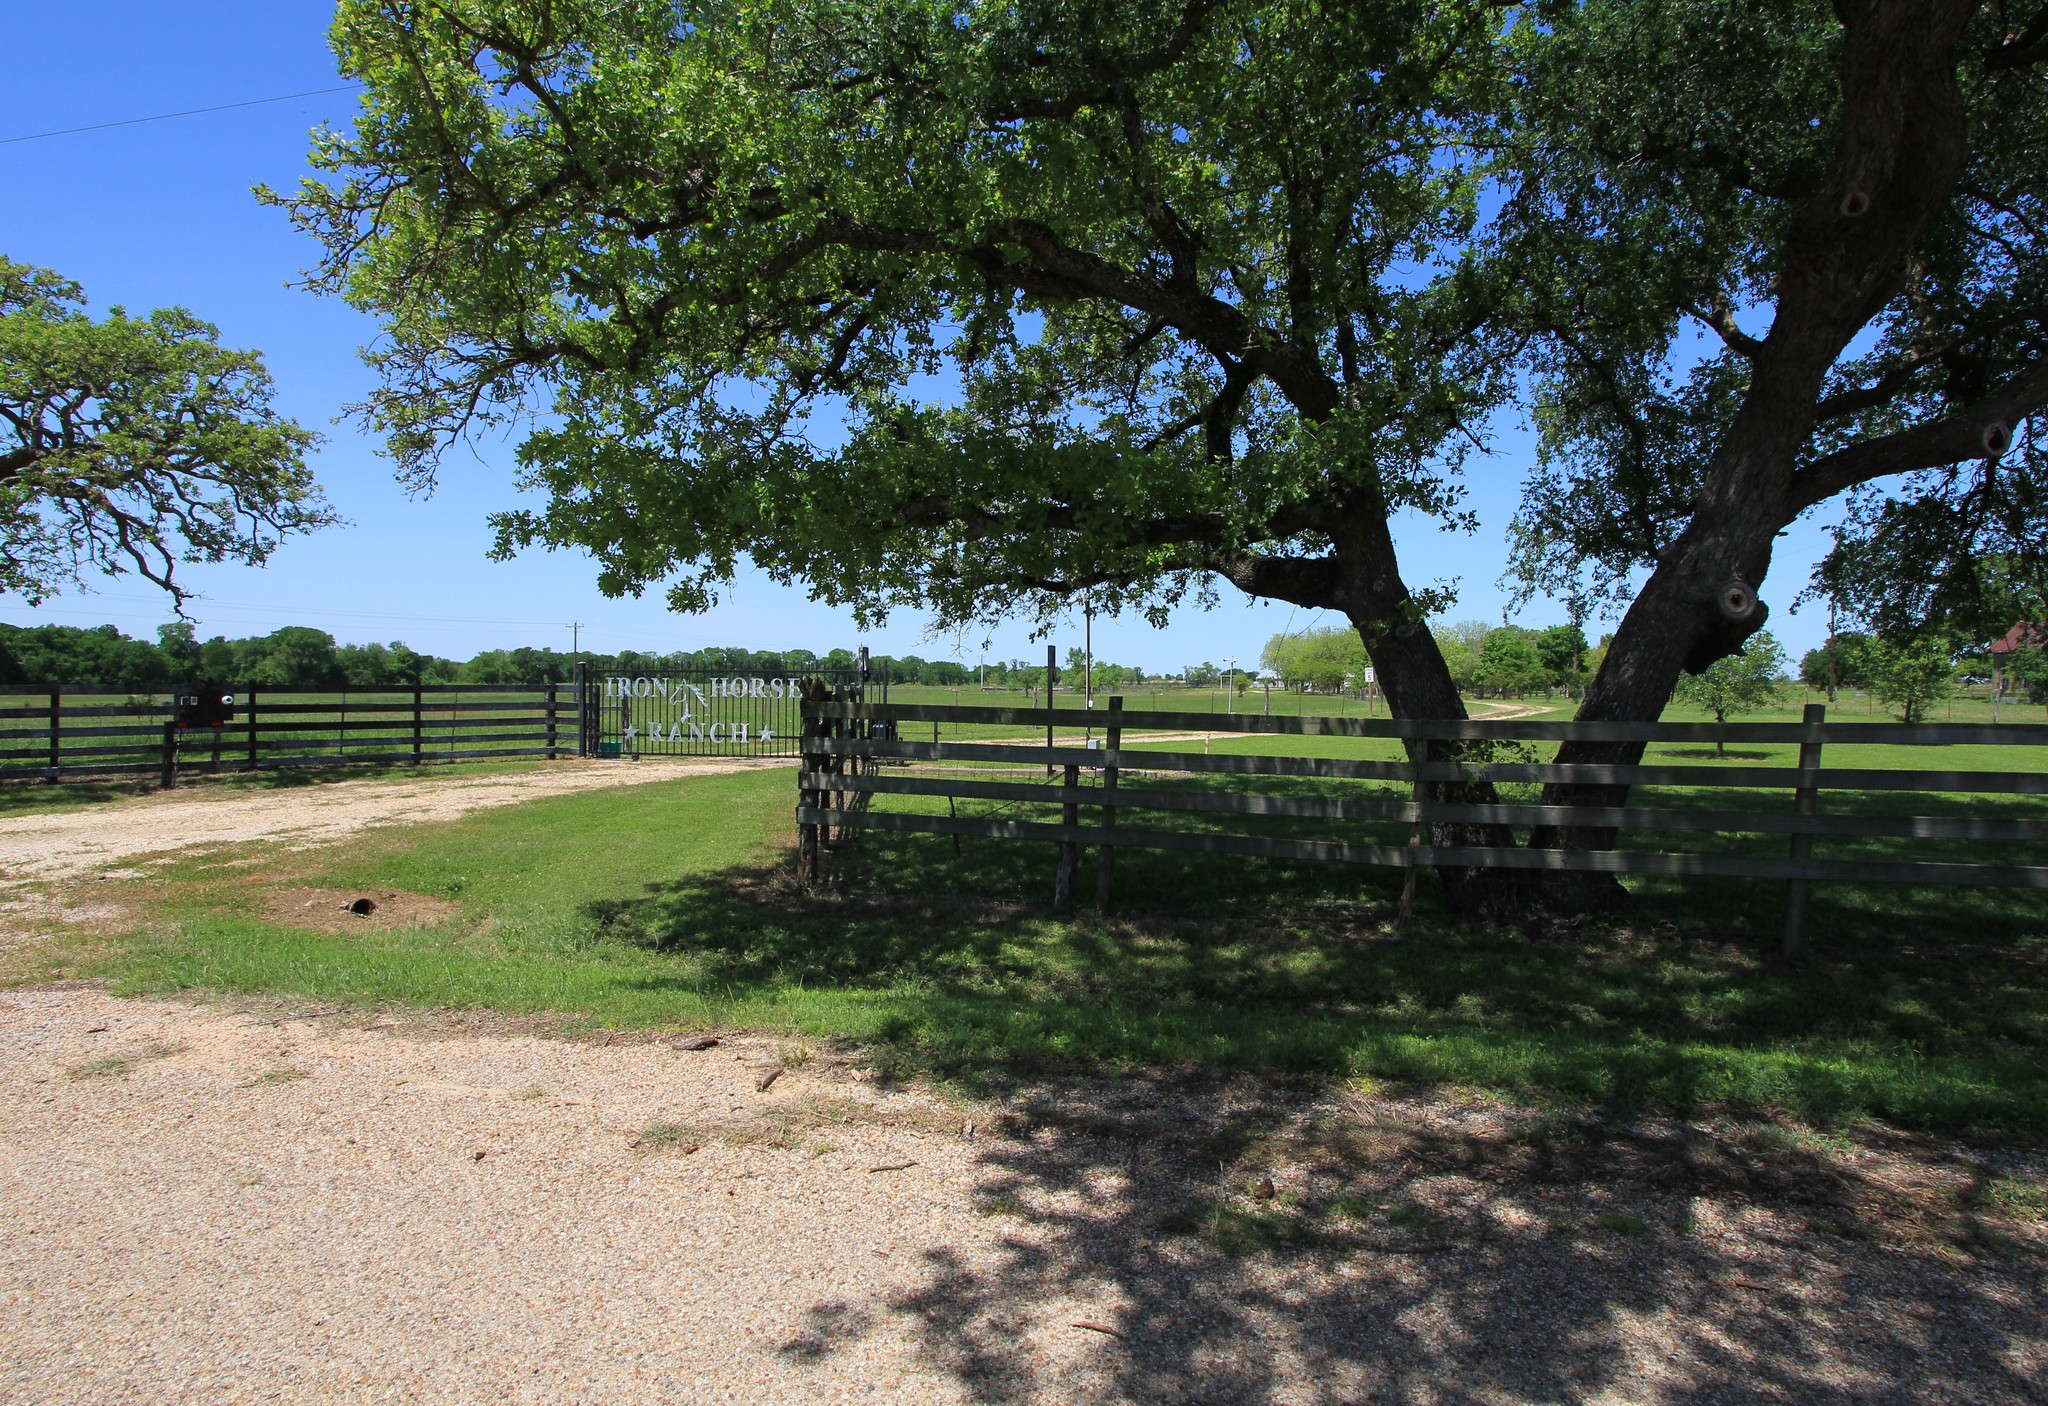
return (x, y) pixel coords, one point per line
(135, 444)
(973, 308)
(1747, 682)
(1848, 206)
(1322, 659)
(977, 307)
(966, 309)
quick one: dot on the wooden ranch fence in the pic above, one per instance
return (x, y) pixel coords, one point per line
(61, 733)
(849, 749)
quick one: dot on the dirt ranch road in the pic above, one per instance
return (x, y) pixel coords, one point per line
(213, 1205)
(71, 843)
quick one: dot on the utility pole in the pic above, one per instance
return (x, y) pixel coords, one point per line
(1230, 685)
(576, 640)
(1088, 646)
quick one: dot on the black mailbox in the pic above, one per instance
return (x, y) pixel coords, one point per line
(206, 707)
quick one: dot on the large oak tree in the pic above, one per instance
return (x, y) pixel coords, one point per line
(975, 307)
(1855, 206)
(135, 444)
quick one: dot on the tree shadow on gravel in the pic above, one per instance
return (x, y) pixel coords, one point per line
(1251, 1242)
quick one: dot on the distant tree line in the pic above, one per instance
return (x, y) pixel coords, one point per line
(1908, 671)
(298, 656)
(1484, 660)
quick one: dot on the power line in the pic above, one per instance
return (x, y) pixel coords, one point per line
(206, 605)
(188, 112)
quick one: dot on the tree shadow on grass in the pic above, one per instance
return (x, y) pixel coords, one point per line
(1254, 965)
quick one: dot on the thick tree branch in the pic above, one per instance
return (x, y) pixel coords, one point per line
(2029, 46)
(1979, 431)
(1309, 582)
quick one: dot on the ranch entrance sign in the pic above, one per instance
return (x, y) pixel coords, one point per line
(695, 712)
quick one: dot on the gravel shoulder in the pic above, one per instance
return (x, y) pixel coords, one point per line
(229, 1203)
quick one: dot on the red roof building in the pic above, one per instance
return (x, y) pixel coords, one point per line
(2023, 636)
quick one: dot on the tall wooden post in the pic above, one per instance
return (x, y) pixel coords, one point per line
(576, 691)
(1063, 878)
(1051, 672)
(56, 734)
(551, 719)
(170, 776)
(1417, 751)
(1806, 802)
(1105, 855)
(251, 695)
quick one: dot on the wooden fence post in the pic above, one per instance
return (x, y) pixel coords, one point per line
(1806, 802)
(1063, 877)
(251, 695)
(1416, 751)
(170, 777)
(1105, 855)
(56, 734)
(418, 724)
(551, 719)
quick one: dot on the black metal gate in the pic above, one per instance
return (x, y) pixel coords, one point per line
(701, 712)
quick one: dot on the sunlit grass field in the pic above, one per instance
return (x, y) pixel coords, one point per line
(673, 905)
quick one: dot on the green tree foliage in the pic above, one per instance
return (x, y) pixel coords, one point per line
(1325, 660)
(1741, 683)
(1847, 202)
(1509, 662)
(1851, 655)
(296, 655)
(1460, 644)
(2030, 668)
(1563, 651)
(135, 444)
(1910, 673)
(63, 654)
(1124, 301)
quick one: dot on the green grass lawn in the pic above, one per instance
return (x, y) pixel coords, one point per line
(671, 905)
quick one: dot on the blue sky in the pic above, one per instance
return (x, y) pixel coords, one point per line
(160, 213)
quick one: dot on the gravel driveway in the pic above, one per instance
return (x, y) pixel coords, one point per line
(227, 1204)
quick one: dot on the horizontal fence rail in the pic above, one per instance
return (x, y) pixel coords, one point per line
(856, 752)
(72, 732)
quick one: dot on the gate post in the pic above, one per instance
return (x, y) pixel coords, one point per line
(56, 734)
(810, 796)
(551, 719)
(583, 747)
(170, 777)
(1806, 802)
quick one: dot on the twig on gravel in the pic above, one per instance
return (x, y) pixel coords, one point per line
(1092, 1326)
(893, 1167)
(697, 1042)
(761, 1084)
(309, 1015)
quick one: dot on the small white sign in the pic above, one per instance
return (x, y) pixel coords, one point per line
(1371, 676)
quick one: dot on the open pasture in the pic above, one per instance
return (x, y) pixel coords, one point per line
(674, 905)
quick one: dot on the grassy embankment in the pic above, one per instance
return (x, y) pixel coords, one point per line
(667, 905)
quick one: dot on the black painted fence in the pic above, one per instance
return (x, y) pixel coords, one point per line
(852, 755)
(73, 732)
